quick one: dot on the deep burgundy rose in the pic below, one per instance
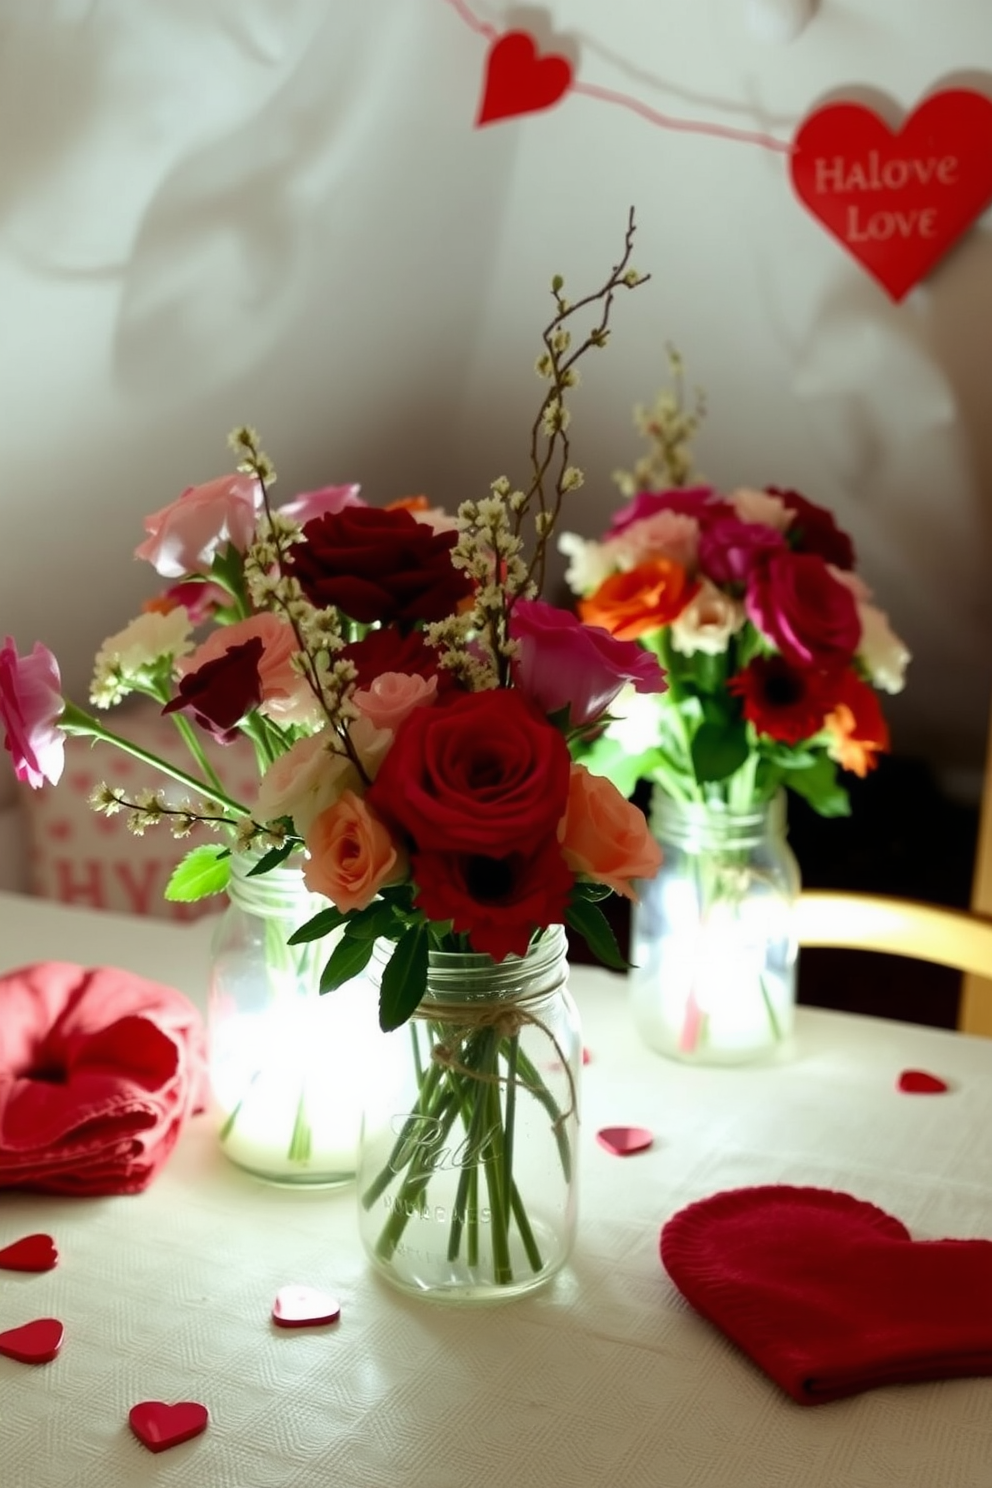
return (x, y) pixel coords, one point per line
(807, 614)
(497, 902)
(392, 650)
(221, 693)
(813, 530)
(701, 502)
(379, 565)
(562, 663)
(730, 548)
(486, 774)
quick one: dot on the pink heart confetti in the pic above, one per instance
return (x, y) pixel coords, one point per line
(921, 1082)
(586, 1056)
(624, 1141)
(159, 1426)
(32, 1253)
(304, 1307)
(33, 1343)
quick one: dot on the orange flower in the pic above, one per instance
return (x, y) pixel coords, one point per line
(858, 730)
(409, 503)
(604, 836)
(642, 599)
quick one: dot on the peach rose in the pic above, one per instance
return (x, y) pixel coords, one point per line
(604, 836)
(351, 854)
(665, 534)
(184, 536)
(761, 506)
(393, 696)
(286, 697)
(313, 774)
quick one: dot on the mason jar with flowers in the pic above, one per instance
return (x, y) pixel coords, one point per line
(411, 700)
(774, 652)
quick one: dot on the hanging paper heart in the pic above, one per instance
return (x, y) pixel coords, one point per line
(32, 1253)
(829, 1294)
(897, 201)
(304, 1307)
(518, 81)
(37, 1342)
(159, 1426)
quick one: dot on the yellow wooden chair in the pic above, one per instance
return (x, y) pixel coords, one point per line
(957, 938)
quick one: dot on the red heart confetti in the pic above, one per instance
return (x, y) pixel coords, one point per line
(33, 1343)
(921, 1082)
(897, 201)
(33, 1253)
(159, 1426)
(518, 81)
(304, 1307)
(624, 1141)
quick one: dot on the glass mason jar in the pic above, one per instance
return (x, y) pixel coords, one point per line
(466, 1174)
(285, 1062)
(713, 940)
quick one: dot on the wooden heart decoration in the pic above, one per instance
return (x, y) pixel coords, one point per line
(33, 1343)
(519, 81)
(897, 201)
(159, 1426)
(32, 1253)
(304, 1307)
(830, 1295)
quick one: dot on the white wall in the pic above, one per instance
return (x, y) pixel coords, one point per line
(277, 211)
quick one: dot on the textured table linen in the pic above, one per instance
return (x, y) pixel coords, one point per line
(606, 1378)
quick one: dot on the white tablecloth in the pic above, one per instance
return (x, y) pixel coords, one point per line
(606, 1378)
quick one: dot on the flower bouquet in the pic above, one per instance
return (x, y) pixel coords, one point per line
(411, 701)
(773, 651)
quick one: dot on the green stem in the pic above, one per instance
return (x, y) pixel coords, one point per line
(75, 721)
(510, 1115)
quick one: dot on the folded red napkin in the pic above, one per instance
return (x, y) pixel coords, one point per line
(830, 1295)
(98, 1071)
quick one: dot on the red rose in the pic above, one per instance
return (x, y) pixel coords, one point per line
(221, 693)
(805, 612)
(486, 774)
(392, 650)
(813, 530)
(497, 902)
(379, 566)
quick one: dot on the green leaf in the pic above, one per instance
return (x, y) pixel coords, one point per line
(348, 958)
(591, 923)
(322, 924)
(378, 918)
(606, 756)
(404, 979)
(717, 751)
(272, 859)
(820, 787)
(204, 870)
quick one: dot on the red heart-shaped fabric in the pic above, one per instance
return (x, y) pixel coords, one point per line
(518, 81)
(897, 200)
(830, 1295)
(159, 1426)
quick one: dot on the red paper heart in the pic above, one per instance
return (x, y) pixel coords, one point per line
(33, 1253)
(920, 1082)
(830, 1295)
(518, 81)
(159, 1426)
(898, 201)
(623, 1141)
(304, 1307)
(33, 1343)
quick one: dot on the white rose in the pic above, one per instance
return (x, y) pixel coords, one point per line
(881, 650)
(707, 622)
(590, 562)
(314, 772)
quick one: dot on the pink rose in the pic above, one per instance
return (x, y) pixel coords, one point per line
(310, 504)
(798, 605)
(286, 697)
(351, 854)
(561, 663)
(392, 697)
(668, 534)
(30, 704)
(183, 537)
(604, 836)
(701, 502)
